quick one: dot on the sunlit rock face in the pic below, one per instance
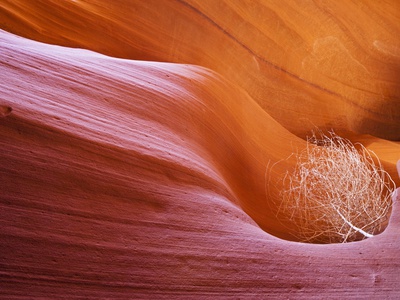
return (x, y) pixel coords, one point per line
(133, 175)
(340, 61)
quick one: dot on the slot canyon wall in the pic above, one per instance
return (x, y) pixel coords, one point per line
(137, 139)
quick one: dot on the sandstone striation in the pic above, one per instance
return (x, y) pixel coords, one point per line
(340, 61)
(126, 174)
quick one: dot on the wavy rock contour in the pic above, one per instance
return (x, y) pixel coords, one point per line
(134, 179)
(341, 62)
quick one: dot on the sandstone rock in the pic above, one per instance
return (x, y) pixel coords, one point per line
(134, 179)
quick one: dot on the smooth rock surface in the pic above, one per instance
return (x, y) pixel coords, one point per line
(128, 179)
(339, 60)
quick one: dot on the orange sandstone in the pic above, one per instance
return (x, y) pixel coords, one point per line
(135, 179)
(308, 64)
(123, 178)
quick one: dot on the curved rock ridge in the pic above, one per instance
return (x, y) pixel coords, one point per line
(340, 61)
(185, 121)
(131, 179)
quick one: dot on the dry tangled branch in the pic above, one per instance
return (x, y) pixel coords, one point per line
(337, 193)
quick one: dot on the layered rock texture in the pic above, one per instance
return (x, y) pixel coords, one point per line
(143, 145)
